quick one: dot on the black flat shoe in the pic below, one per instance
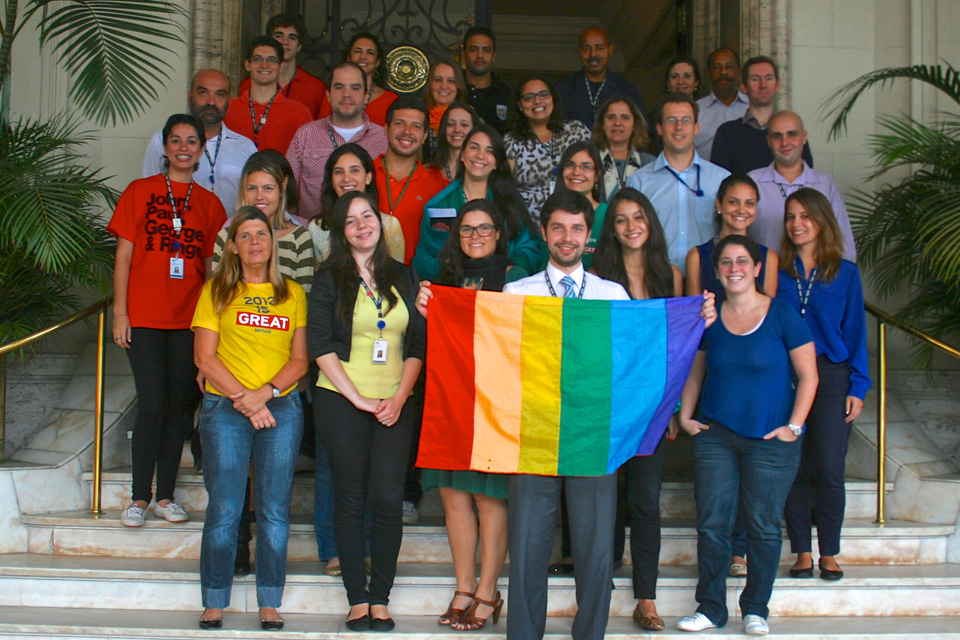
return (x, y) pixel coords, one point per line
(216, 623)
(271, 625)
(829, 574)
(802, 573)
(359, 624)
(561, 568)
(382, 624)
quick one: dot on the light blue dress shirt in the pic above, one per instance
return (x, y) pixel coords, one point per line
(714, 113)
(687, 219)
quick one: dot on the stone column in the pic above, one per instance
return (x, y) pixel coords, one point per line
(215, 41)
(764, 31)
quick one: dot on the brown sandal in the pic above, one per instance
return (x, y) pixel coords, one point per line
(471, 622)
(453, 615)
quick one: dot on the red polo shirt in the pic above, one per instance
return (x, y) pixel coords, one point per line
(283, 120)
(307, 89)
(408, 208)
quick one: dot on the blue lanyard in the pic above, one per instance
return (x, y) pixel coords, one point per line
(378, 303)
(698, 191)
(805, 295)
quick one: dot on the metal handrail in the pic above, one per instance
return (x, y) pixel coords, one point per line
(884, 319)
(99, 308)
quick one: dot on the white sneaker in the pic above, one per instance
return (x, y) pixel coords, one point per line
(696, 622)
(171, 513)
(133, 516)
(754, 625)
(410, 513)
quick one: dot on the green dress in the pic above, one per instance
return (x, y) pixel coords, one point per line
(489, 484)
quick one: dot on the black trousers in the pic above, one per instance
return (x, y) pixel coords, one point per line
(639, 500)
(167, 394)
(818, 495)
(369, 463)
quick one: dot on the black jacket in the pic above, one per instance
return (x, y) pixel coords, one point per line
(326, 334)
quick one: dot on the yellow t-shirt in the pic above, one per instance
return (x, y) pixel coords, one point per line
(255, 334)
(374, 380)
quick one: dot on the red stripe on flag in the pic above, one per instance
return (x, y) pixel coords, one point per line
(448, 415)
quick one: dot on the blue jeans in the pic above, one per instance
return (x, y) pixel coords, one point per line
(754, 475)
(229, 442)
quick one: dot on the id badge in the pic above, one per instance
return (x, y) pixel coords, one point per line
(177, 225)
(176, 268)
(380, 351)
(553, 186)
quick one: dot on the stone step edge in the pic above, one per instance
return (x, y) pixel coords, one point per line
(40, 566)
(670, 527)
(103, 623)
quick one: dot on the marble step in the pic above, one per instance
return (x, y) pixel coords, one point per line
(77, 624)
(78, 533)
(676, 498)
(31, 580)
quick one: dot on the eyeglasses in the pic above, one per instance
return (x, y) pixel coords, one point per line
(530, 97)
(586, 167)
(672, 120)
(482, 230)
(269, 60)
(789, 135)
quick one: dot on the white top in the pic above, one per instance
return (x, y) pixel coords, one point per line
(347, 134)
(234, 151)
(597, 288)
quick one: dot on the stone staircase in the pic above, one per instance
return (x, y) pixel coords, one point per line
(75, 575)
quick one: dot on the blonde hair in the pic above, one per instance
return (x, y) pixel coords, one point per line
(228, 282)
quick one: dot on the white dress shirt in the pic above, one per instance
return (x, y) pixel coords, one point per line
(714, 113)
(224, 178)
(597, 288)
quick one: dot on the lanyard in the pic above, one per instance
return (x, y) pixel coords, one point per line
(213, 161)
(173, 204)
(594, 99)
(783, 192)
(805, 296)
(333, 140)
(378, 303)
(698, 191)
(263, 118)
(394, 205)
(554, 293)
(289, 84)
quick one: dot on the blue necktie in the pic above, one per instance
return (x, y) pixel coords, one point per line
(570, 290)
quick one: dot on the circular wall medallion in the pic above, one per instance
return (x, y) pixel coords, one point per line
(407, 69)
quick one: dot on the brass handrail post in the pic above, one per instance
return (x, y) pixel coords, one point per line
(881, 421)
(98, 412)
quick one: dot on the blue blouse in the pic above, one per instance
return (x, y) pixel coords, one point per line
(836, 319)
(749, 384)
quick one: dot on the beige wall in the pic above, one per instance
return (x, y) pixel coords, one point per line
(39, 89)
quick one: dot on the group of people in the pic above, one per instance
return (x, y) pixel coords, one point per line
(281, 251)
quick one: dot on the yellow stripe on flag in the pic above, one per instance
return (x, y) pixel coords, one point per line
(540, 364)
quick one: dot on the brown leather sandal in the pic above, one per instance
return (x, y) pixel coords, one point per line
(453, 615)
(471, 622)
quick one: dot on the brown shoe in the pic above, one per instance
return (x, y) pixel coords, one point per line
(453, 615)
(650, 623)
(472, 622)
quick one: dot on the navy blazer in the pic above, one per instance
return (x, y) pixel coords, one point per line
(327, 334)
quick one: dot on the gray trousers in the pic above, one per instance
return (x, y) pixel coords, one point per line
(592, 506)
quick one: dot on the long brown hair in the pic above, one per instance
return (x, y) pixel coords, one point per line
(829, 242)
(228, 280)
(386, 270)
(268, 163)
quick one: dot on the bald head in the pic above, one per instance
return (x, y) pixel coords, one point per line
(595, 52)
(209, 95)
(786, 137)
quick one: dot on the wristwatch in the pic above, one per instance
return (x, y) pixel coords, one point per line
(276, 391)
(796, 428)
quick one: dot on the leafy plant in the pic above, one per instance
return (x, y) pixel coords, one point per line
(50, 230)
(51, 237)
(908, 231)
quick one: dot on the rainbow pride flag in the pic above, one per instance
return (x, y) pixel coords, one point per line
(551, 386)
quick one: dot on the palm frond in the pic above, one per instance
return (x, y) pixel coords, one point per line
(115, 50)
(838, 105)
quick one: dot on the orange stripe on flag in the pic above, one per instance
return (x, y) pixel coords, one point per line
(496, 349)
